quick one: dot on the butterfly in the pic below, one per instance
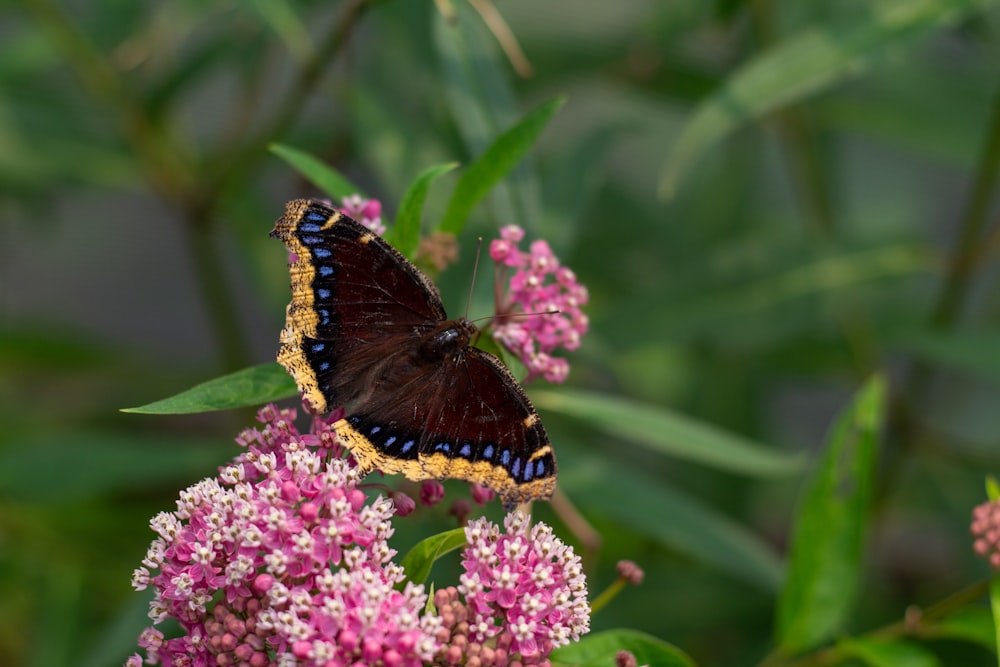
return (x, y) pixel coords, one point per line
(367, 330)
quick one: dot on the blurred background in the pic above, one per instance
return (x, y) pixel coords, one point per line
(769, 203)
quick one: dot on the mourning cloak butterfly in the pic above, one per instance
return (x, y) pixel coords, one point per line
(367, 330)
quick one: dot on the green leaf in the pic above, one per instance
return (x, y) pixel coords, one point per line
(417, 563)
(888, 652)
(600, 649)
(483, 103)
(494, 164)
(606, 487)
(971, 624)
(975, 353)
(828, 537)
(323, 176)
(668, 432)
(992, 488)
(405, 233)
(806, 64)
(92, 463)
(249, 387)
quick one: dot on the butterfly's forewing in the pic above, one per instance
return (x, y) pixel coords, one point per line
(355, 302)
(365, 330)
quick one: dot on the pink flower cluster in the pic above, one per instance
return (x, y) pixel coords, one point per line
(552, 296)
(524, 584)
(985, 530)
(366, 211)
(282, 561)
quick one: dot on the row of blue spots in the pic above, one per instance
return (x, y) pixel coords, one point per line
(513, 464)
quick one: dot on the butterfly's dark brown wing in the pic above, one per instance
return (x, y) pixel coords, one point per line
(477, 424)
(356, 302)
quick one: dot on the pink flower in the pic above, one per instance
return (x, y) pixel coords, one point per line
(366, 211)
(282, 556)
(524, 585)
(985, 530)
(553, 296)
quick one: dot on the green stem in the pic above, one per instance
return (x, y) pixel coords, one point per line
(961, 263)
(607, 595)
(798, 141)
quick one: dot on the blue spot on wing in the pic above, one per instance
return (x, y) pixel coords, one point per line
(539, 468)
(375, 429)
(325, 270)
(322, 253)
(407, 446)
(324, 315)
(528, 470)
(488, 452)
(505, 458)
(323, 293)
(325, 366)
(318, 347)
(388, 441)
(443, 447)
(312, 240)
(315, 216)
(515, 469)
(309, 226)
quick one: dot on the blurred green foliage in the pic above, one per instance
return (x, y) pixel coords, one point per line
(771, 203)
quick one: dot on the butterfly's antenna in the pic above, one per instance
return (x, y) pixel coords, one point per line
(554, 311)
(475, 268)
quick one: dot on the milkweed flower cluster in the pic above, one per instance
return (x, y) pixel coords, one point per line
(539, 285)
(366, 211)
(524, 583)
(985, 530)
(282, 560)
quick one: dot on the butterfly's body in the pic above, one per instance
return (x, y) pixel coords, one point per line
(367, 331)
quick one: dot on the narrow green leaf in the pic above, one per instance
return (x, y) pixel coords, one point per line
(323, 176)
(806, 64)
(600, 649)
(828, 537)
(249, 387)
(482, 102)
(970, 624)
(992, 488)
(417, 563)
(93, 463)
(671, 433)
(494, 164)
(405, 233)
(975, 353)
(598, 485)
(888, 652)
